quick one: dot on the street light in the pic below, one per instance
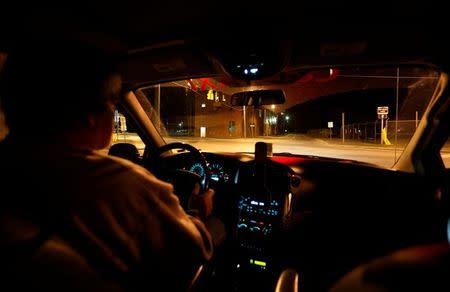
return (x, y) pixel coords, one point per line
(287, 118)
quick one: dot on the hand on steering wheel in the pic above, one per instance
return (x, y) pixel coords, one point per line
(202, 203)
(198, 156)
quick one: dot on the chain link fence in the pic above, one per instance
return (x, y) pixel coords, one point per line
(369, 132)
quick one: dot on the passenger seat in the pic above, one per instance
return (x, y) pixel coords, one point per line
(420, 268)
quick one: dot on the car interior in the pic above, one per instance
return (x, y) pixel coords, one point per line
(282, 220)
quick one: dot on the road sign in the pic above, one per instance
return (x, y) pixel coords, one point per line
(382, 112)
(330, 125)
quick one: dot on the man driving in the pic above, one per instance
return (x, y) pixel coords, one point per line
(58, 100)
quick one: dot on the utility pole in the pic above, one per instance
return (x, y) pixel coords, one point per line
(264, 123)
(386, 126)
(375, 132)
(343, 127)
(245, 121)
(417, 118)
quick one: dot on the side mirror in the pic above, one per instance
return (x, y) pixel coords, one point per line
(125, 150)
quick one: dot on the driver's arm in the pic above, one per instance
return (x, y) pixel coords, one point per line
(140, 227)
(184, 241)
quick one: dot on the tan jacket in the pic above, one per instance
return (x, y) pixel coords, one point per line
(127, 223)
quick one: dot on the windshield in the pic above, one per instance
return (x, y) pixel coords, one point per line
(366, 114)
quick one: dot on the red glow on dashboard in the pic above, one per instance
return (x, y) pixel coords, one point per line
(437, 249)
(288, 160)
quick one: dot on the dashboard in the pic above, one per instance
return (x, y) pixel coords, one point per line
(251, 199)
(284, 212)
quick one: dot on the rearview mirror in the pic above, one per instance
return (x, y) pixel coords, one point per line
(257, 98)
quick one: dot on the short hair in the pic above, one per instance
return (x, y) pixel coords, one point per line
(52, 86)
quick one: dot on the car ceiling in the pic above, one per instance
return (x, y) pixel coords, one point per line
(320, 34)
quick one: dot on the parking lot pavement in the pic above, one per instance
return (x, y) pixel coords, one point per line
(381, 155)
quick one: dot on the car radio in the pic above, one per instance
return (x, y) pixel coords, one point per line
(258, 226)
(257, 217)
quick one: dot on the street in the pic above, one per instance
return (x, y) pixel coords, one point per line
(381, 155)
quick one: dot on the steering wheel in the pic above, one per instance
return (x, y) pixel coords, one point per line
(198, 156)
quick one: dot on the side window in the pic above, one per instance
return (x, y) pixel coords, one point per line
(125, 131)
(445, 154)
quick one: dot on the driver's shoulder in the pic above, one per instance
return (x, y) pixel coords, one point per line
(120, 165)
(132, 173)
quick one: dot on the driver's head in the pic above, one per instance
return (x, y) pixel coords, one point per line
(56, 88)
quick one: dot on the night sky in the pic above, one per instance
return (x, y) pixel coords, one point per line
(359, 106)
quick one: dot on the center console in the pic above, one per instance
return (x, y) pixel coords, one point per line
(259, 222)
(258, 226)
